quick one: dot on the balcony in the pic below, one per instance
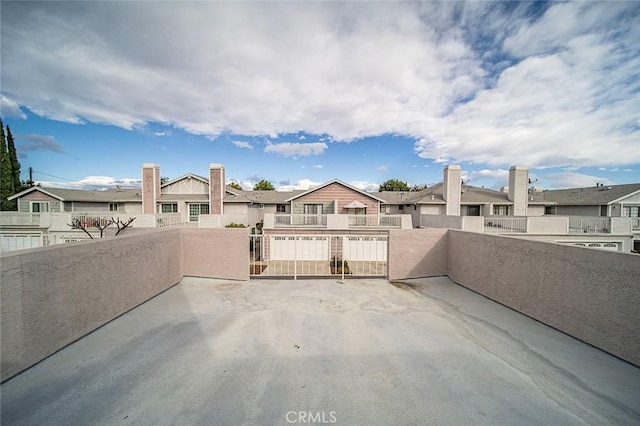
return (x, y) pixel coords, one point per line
(375, 221)
(589, 225)
(505, 225)
(635, 223)
(300, 220)
(20, 219)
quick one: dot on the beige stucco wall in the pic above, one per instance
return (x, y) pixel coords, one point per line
(592, 295)
(415, 253)
(217, 253)
(52, 296)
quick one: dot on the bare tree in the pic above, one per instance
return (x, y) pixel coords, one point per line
(100, 223)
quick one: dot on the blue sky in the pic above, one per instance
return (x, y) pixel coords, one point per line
(301, 93)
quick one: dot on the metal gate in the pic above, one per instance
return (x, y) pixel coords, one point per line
(318, 255)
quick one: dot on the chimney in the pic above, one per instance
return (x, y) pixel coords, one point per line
(518, 190)
(452, 187)
(150, 187)
(216, 188)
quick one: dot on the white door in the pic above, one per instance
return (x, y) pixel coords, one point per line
(19, 242)
(365, 249)
(299, 248)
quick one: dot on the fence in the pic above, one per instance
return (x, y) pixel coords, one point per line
(318, 255)
(309, 220)
(369, 220)
(589, 225)
(505, 224)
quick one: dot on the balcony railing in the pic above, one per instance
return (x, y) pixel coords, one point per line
(589, 225)
(169, 220)
(635, 223)
(19, 219)
(294, 220)
(505, 224)
(368, 220)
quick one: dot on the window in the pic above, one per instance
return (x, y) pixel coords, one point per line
(169, 208)
(313, 209)
(631, 211)
(196, 210)
(281, 208)
(39, 206)
(113, 207)
(470, 210)
(501, 210)
(603, 210)
(385, 209)
(551, 210)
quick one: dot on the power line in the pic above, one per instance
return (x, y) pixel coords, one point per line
(57, 177)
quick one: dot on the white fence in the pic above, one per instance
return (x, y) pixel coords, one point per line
(589, 225)
(635, 223)
(369, 220)
(19, 219)
(318, 255)
(505, 224)
(307, 220)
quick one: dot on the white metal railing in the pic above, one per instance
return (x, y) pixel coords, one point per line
(635, 223)
(19, 218)
(505, 224)
(89, 220)
(368, 220)
(169, 220)
(589, 225)
(310, 220)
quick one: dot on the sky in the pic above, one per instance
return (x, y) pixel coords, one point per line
(299, 93)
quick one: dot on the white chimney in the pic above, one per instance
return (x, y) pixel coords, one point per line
(451, 189)
(518, 189)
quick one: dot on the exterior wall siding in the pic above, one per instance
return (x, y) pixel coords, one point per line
(579, 210)
(335, 192)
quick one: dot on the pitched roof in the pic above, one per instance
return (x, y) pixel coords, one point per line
(105, 196)
(595, 195)
(339, 182)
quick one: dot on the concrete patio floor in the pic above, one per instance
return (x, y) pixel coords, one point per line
(353, 352)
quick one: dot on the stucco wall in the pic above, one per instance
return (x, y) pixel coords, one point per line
(415, 253)
(592, 295)
(217, 253)
(54, 295)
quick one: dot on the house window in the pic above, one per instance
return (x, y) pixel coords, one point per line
(196, 210)
(313, 209)
(169, 208)
(470, 210)
(39, 206)
(603, 210)
(631, 211)
(385, 209)
(501, 210)
(281, 208)
(551, 210)
(113, 207)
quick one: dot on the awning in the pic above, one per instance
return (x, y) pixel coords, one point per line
(355, 205)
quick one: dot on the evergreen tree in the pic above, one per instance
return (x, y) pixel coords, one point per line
(394, 185)
(15, 164)
(6, 175)
(264, 185)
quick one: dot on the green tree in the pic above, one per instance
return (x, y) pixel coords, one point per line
(394, 185)
(264, 185)
(6, 175)
(235, 185)
(15, 164)
(416, 188)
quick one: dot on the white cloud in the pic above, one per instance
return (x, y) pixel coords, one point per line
(34, 142)
(318, 166)
(94, 182)
(382, 169)
(294, 149)
(552, 83)
(10, 108)
(302, 184)
(365, 186)
(242, 144)
(574, 180)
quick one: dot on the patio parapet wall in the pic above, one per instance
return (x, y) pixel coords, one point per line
(592, 295)
(54, 295)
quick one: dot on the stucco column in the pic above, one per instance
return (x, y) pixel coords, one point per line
(452, 187)
(150, 187)
(216, 188)
(519, 189)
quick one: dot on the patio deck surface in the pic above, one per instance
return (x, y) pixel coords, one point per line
(352, 352)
